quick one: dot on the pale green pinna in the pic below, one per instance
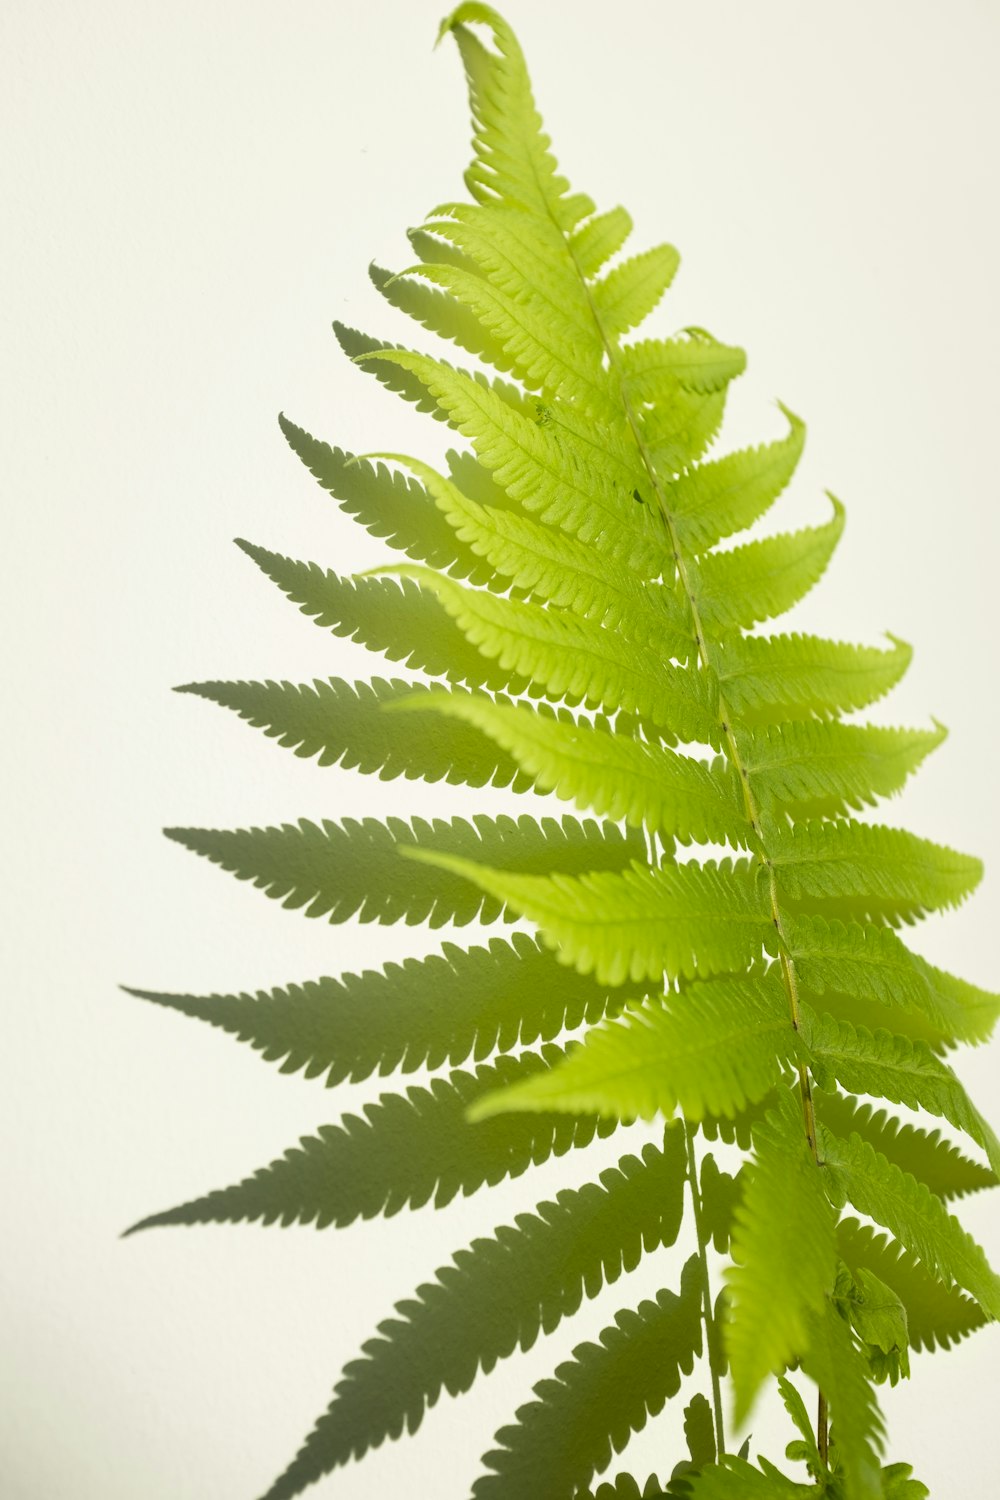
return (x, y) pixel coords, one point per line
(566, 590)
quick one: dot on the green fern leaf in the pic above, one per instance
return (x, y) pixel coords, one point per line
(733, 1478)
(855, 1171)
(936, 1315)
(565, 483)
(873, 964)
(720, 1045)
(558, 569)
(496, 1296)
(762, 579)
(646, 785)
(337, 870)
(935, 1162)
(655, 367)
(894, 1068)
(767, 679)
(784, 1249)
(626, 295)
(593, 243)
(597, 1400)
(678, 920)
(823, 769)
(831, 1358)
(866, 870)
(407, 1150)
(712, 500)
(427, 1012)
(569, 657)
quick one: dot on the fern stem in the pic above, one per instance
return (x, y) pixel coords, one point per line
(708, 1313)
(733, 752)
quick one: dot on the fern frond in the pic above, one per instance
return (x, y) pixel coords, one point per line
(823, 769)
(443, 1009)
(494, 1297)
(858, 1435)
(407, 1150)
(784, 1249)
(566, 483)
(718, 1046)
(894, 1068)
(937, 1315)
(874, 964)
(627, 294)
(593, 243)
(513, 162)
(570, 657)
(558, 569)
(867, 870)
(713, 500)
(616, 777)
(344, 724)
(677, 920)
(537, 341)
(337, 870)
(930, 1159)
(759, 580)
(733, 1478)
(767, 679)
(654, 368)
(855, 1171)
(597, 1400)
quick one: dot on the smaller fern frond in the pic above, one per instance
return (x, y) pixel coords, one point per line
(712, 500)
(784, 1252)
(768, 679)
(874, 965)
(649, 786)
(570, 657)
(814, 769)
(718, 1046)
(858, 1433)
(676, 920)
(406, 1151)
(601, 236)
(760, 580)
(654, 368)
(868, 870)
(628, 293)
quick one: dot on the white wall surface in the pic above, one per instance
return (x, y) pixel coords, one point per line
(192, 191)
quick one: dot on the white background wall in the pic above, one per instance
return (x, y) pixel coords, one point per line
(192, 191)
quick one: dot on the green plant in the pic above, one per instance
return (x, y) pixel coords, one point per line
(565, 582)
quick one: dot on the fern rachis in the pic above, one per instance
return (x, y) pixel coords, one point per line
(564, 588)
